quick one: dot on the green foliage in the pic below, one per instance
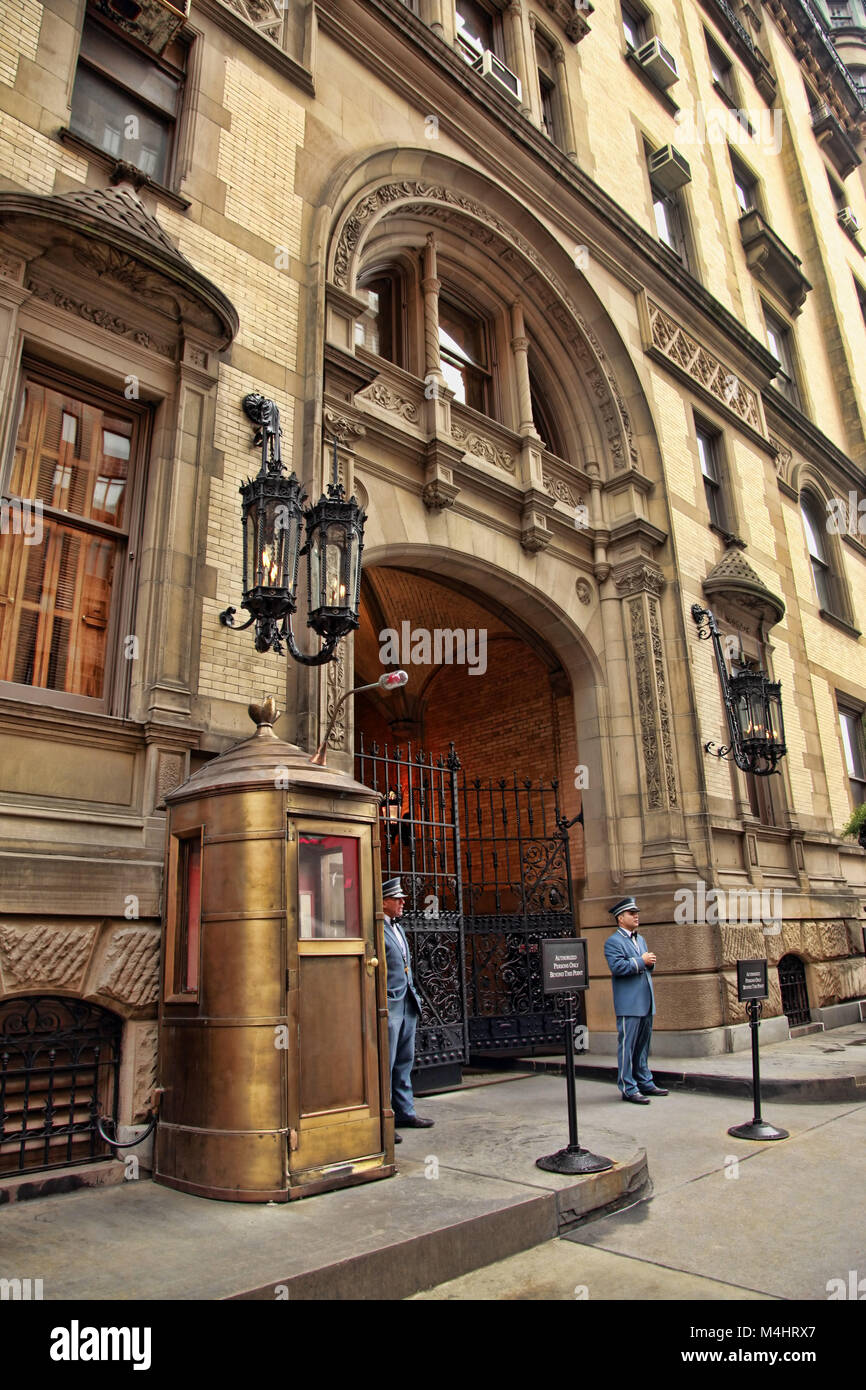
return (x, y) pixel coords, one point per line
(857, 821)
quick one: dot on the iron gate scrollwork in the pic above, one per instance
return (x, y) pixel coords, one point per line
(485, 865)
(59, 1071)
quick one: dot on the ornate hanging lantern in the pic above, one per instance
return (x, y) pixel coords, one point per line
(753, 706)
(272, 514)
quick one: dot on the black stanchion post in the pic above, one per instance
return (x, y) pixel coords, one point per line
(564, 966)
(752, 978)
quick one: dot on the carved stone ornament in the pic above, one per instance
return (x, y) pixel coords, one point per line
(476, 220)
(101, 317)
(387, 399)
(130, 971)
(702, 367)
(559, 488)
(438, 493)
(341, 427)
(336, 685)
(734, 578)
(783, 457)
(639, 579)
(483, 448)
(646, 705)
(266, 16)
(50, 955)
(169, 774)
(11, 267)
(583, 588)
(662, 698)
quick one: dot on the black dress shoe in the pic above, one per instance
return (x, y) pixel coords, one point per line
(655, 1091)
(412, 1122)
(398, 1138)
(637, 1099)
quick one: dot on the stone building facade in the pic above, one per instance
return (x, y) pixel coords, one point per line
(581, 294)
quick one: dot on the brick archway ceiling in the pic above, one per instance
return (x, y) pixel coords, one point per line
(391, 597)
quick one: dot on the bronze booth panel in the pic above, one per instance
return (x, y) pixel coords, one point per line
(243, 876)
(242, 968)
(331, 1011)
(223, 1077)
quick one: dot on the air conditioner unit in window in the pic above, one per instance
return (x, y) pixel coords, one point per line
(847, 219)
(153, 22)
(658, 63)
(668, 169)
(498, 75)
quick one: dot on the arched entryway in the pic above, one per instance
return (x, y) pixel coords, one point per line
(59, 1071)
(477, 760)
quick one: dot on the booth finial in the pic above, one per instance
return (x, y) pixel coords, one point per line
(264, 714)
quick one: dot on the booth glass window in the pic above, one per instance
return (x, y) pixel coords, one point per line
(328, 892)
(188, 914)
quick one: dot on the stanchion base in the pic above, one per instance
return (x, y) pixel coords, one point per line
(757, 1129)
(574, 1161)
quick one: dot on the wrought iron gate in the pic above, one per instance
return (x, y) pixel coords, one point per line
(59, 1065)
(795, 997)
(486, 867)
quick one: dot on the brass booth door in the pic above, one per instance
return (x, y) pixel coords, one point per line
(334, 1075)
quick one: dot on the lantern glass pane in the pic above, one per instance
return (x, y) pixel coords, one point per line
(314, 560)
(251, 556)
(334, 591)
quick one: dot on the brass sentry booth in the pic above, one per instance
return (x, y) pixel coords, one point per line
(273, 1011)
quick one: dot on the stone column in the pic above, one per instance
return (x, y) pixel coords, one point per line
(517, 52)
(439, 489)
(433, 12)
(520, 348)
(565, 118)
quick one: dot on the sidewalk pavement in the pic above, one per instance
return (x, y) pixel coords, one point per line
(466, 1193)
(818, 1067)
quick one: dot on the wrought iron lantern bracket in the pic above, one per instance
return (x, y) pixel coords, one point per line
(753, 709)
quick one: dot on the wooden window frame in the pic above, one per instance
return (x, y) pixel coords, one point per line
(487, 375)
(118, 671)
(749, 182)
(399, 315)
(181, 75)
(640, 20)
(784, 333)
(714, 486)
(718, 58)
(849, 709)
(176, 939)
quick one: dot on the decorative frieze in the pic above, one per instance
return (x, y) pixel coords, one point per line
(482, 448)
(265, 16)
(561, 491)
(336, 685)
(101, 317)
(649, 742)
(387, 399)
(663, 707)
(702, 367)
(639, 579)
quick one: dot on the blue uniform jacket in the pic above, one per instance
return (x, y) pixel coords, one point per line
(632, 980)
(400, 981)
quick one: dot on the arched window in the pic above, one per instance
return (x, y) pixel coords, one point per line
(380, 328)
(465, 353)
(543, 418)
(826, 584)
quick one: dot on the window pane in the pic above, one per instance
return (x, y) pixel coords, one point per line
(123, 65)
(707, 454)
(817, 550)
(191, 899)
(72, 456)
(475, 26)
(375, 329)
(852, 740)
(113, 120)
(328, 891)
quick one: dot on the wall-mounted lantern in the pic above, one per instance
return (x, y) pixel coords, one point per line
(272, 515)
(753, 706)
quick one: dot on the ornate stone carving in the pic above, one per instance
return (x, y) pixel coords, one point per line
(438, 493)
(783, 456)
(640, 579)
(264, 15)
(583, 589)
(646, 705)
(102, 318)
(383, 396)
(701, 366)
(483, 448)
(130, 971)
(11, 268)
(341, 427)
(482, 224)
(662, 697)
(559, 488)
(534, 538)
(573, 18)
(52, 955)
(336, 686)
(169, 774)
(145, 1073)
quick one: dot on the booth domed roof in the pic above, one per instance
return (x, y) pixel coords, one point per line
(261, 760)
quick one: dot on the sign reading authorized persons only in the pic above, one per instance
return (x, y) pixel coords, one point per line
(563, 964)
(752, 980)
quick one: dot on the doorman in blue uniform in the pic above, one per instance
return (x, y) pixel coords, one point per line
(404, 1010)
(631, 966)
